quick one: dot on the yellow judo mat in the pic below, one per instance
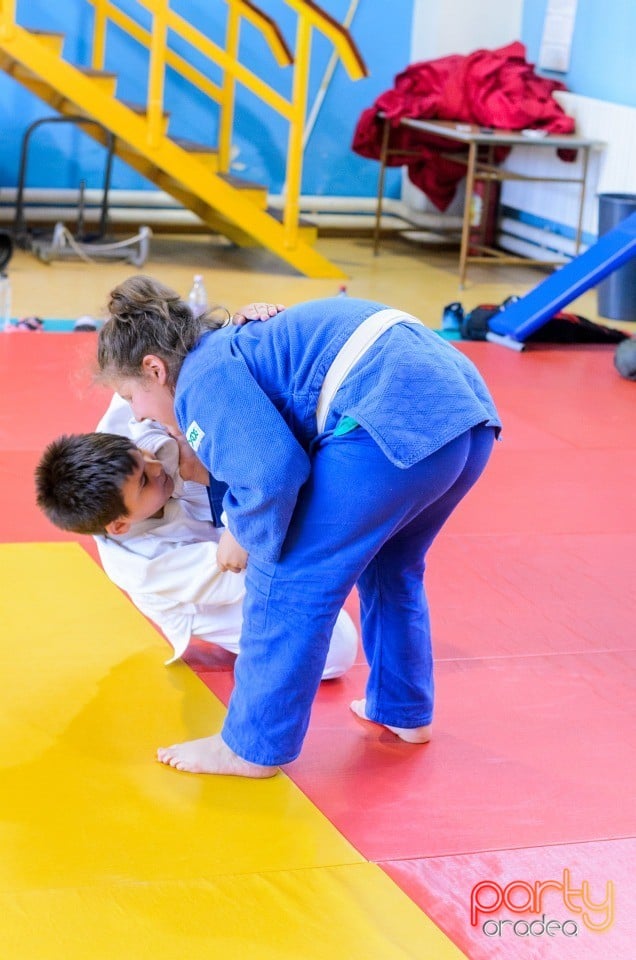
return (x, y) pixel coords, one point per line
(108, 854)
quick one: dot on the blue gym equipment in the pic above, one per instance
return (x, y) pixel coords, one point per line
(513, 325)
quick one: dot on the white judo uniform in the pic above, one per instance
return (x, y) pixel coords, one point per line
(168, 567)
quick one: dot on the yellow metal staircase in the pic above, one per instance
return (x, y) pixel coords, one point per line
(197, 175)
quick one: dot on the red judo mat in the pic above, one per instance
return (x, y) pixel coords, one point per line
(529, 777)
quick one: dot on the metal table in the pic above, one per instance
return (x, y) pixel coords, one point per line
(475, 138)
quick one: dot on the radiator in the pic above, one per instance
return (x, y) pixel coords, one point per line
(539, 219)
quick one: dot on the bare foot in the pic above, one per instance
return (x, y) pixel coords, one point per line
(211, 755)
(408, 734)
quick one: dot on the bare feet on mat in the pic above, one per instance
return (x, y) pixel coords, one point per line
(211, 755)
(408, 734)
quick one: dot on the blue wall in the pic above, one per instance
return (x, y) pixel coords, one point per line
(602, 59)
(62, 157)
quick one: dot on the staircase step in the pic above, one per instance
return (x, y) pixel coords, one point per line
(106, 80)
(51, 39)
(306, 228)
(256, 192)
(206, 153)
(307, 231)
(141, 111)
(146, 166)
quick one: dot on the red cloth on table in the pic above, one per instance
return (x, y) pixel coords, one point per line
(490, 88)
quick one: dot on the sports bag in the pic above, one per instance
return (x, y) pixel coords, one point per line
(563, 327)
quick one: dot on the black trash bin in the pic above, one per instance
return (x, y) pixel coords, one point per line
(616, 296)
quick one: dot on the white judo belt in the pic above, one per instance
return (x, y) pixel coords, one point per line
(351, 352)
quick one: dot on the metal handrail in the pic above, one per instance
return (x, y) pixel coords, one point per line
(165, 21)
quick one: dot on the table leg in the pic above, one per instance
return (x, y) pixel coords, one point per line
(579, 226)
(470, 182)
(386, 129)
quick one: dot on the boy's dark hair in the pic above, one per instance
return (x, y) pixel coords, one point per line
(79, 478)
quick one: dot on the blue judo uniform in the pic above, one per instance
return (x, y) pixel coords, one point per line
(409, 432)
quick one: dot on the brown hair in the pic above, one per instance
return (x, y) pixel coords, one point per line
(147, 317)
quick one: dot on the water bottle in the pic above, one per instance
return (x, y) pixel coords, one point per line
(198, 298)
(5, 302)
(342, 291)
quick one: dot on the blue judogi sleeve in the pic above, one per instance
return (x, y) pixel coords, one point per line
(242, 439)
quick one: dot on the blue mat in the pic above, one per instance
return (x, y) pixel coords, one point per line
(51, 325)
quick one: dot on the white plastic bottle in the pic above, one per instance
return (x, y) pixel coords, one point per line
(198, 298)
(5, 302)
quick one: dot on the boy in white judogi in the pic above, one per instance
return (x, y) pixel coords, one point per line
(168, 567)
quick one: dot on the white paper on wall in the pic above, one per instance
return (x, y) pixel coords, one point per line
(556, 42)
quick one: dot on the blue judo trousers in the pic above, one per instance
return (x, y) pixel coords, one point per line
(360, 520)
(320, 513)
